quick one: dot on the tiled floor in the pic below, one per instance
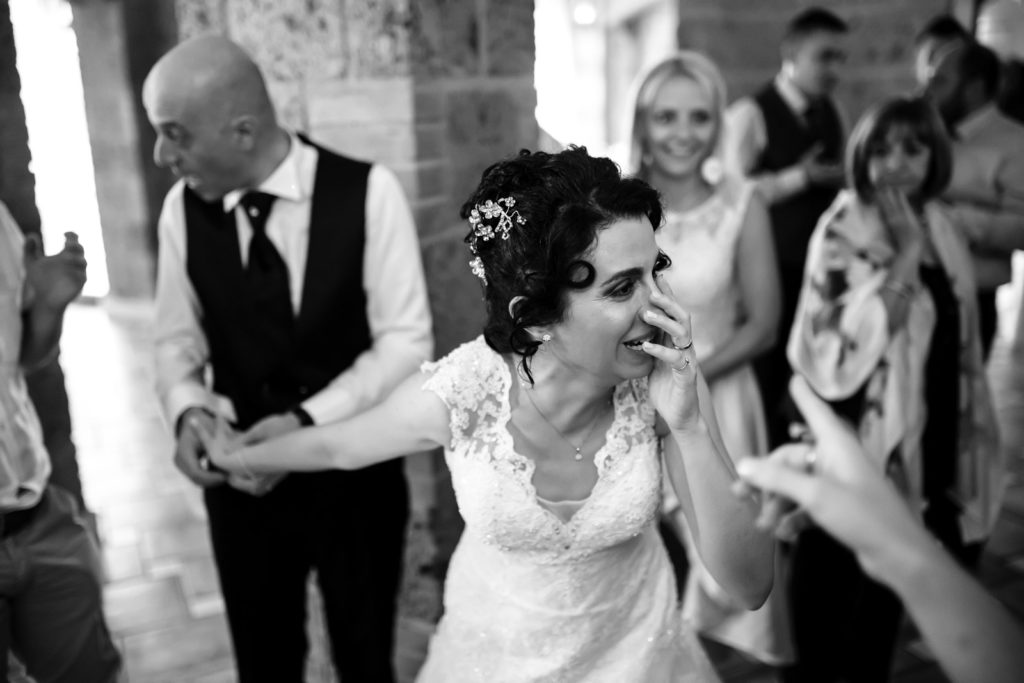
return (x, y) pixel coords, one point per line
(162, 596)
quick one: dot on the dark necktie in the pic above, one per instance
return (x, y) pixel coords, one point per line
(266, 272)
(816, 120)
(814, 115)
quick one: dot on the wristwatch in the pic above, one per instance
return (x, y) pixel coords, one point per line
(305, 419)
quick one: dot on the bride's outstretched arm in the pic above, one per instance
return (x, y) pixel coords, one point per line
(410, 420)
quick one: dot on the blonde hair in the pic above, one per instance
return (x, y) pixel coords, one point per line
(685, 63)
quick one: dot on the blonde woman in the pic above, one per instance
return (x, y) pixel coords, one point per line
(724, 274)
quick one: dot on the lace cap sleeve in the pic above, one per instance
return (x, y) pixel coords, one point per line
(468, 381)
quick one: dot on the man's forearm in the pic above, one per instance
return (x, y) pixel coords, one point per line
(40, 336)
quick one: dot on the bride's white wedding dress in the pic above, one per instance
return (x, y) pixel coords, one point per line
(530, 596)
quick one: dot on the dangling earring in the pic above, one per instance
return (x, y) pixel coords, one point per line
(545, 337)
(711, 170)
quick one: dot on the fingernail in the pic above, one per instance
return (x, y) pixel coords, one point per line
(650, 315)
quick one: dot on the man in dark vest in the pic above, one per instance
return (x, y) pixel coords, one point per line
(289, 292)
(788, 138)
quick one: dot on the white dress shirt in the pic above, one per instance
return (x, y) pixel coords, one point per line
(745, 138)
(397, 308)
(24, 462)
(987, 191)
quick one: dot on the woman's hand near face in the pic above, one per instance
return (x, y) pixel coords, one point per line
(906, 229)
(673, 382)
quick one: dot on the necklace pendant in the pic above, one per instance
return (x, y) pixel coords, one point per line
(578, 456)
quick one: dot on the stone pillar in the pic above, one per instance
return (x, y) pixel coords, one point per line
(743, 38)
(111, 114)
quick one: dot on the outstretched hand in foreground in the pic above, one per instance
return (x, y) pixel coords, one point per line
(972, 635)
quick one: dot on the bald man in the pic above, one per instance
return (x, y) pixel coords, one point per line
(290, 292)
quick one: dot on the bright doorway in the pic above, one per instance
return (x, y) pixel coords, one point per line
(51, 91)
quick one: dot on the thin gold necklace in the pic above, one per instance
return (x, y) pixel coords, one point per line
(578, 456)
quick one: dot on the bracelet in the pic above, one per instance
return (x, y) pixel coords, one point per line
(899, 289)
(305, 419)
(245, 467)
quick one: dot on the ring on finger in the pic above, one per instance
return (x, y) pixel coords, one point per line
(683, 348)
(810, 461)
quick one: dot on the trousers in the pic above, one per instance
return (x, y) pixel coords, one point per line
(51, 606)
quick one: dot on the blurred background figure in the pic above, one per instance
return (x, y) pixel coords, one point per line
(788, 138)
(724, 274)
(887, 330)
(51, 600)
(987, 186)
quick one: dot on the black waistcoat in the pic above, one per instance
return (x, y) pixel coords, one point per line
(789, 138)
(264, 370)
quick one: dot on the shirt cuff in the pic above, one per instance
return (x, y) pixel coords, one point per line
(329, 405)
(791, 180)
(184, 396)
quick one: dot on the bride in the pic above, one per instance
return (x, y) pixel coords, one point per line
(550, 423)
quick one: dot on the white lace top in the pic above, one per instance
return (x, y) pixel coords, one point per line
(530, 597)
(475, 382)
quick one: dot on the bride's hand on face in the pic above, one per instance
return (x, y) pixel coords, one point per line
(673, 382)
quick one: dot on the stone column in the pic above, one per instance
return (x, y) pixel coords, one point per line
(111, 112)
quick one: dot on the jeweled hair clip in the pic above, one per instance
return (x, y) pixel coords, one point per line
(482, 219)
(483, 215)
(477, 266)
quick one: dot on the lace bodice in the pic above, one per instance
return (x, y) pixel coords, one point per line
(702, 243)
(530, 598)
(493, 483)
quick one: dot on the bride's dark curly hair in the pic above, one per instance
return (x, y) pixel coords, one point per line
(563, 199)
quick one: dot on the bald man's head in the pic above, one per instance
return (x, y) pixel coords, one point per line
(214, 120)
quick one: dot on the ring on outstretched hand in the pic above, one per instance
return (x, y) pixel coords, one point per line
(810, 461)
(686, 363)
(683, 348)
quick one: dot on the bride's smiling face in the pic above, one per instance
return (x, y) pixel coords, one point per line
(603, 326)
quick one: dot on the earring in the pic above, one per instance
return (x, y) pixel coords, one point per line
(545, 337)
(712, 170)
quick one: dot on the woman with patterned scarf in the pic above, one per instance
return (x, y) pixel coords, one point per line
(887, 330)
